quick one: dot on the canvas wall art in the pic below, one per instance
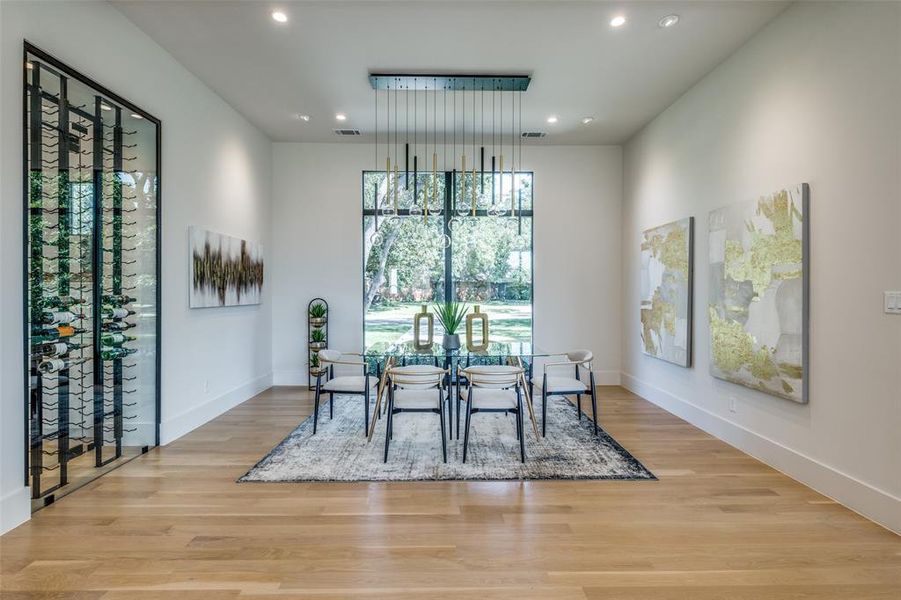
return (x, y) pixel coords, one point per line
(758, 301)
(666, 291)
(225, 270)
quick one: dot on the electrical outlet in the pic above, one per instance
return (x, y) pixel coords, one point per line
(893, 303)
(206, 386)
(732, 404)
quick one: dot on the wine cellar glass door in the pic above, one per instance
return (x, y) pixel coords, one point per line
(91, 263)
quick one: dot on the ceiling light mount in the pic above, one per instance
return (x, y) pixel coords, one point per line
(449, 82)
(618, 21)
(587, 120)
(668, 21)
(552, 119)
(340, 117)
(304, 118)
(279, 16)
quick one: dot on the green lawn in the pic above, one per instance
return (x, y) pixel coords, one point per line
(508, 321)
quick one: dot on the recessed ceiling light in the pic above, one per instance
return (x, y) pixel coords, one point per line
(136, 116)
(105, 106)
(552, 119)
(304, 118)
(340, 117)
(668, 21)
(587, 120)
(618, 21)
(279, 16)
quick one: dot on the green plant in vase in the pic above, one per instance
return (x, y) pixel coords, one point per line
(314, 364)
(317, 339)
(318, 312)
(450, 315)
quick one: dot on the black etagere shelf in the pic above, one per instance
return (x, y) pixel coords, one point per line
(91, 264)
(317, 336)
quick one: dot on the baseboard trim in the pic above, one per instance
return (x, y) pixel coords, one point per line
(290, 377)
(607, 378)
(177, 426)
(15, 509)
(871, 502)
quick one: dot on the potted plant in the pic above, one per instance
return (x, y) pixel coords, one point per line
(450, 315)
(317, 339)
(315, 369)
(317, 314)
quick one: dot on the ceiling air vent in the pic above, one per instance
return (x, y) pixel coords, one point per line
(347, 132)
(533, 134)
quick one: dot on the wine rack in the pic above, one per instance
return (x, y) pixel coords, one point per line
(317, 336)
(91, 278)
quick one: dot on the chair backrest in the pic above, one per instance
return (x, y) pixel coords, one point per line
(416, 376)
(493, 376)
(328, 356)
(582, 357)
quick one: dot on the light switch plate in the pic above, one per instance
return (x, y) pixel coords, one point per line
(893, 303)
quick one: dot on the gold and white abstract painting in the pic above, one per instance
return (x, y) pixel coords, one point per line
(666, 291)
(759, 293)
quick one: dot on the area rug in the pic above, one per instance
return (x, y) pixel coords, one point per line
(339, 450)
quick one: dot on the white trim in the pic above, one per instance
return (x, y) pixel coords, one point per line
(289, 377)
(173, 428)
(871, 502)
(15, 509)
(607, 378)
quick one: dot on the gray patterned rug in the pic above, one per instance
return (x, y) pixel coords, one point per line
(339, 451)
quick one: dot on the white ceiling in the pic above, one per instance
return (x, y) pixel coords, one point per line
(317, 63)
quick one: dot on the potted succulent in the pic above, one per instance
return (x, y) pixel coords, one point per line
(315, 369)
(318, 314)
(450, 315)
(317, 339)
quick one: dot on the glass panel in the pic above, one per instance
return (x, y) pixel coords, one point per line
(492, 267)
(92, 281)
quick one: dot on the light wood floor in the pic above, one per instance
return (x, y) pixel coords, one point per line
(718, 524)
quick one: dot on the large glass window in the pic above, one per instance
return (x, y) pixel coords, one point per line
(479, 254)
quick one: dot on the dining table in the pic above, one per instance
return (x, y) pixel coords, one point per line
(381, 356)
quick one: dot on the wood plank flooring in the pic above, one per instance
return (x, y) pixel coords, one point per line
(717, 525)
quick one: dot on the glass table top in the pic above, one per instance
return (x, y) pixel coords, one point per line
(495, 350)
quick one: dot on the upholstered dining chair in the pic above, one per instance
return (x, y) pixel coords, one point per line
(494, 388)
(415, 388)
(353, 385)
(561, 384)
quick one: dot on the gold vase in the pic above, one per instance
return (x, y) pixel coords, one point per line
(418, 344)
(483, 342)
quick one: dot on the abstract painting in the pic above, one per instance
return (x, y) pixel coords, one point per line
(225, 270)
(666, 291)
(758, 301)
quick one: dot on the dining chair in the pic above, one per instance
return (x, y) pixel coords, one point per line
(563, 385)
(418, 389)
(494, 389)
(353, 385)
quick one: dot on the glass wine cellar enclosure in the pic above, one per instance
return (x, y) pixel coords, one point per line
(91, 264)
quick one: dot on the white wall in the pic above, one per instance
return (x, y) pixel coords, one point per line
(216, 172)
(815, 97)
(318, 249)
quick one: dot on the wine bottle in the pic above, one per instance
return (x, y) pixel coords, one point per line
(111, 312)
(52, 365)
(62, 301)
(114, 352)
(42, 333)
(117, 300)
(50, 317)
(116, 339)
(116, 326)
(52, 349)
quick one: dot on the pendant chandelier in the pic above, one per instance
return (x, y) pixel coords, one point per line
(459, 121)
